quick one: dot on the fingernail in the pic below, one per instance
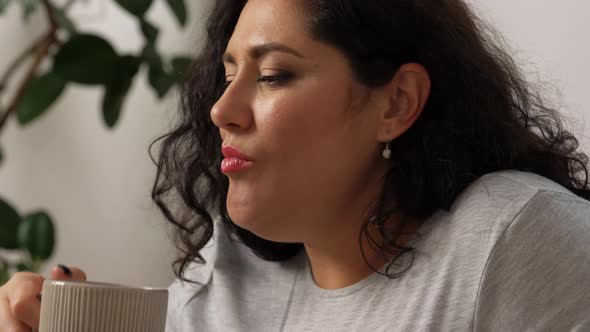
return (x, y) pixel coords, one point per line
(66, 270)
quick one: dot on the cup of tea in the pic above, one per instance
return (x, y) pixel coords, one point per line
(82, 306)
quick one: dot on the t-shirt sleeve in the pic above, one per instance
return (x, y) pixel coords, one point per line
(537, 277)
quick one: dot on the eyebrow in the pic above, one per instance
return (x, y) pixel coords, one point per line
(261, 50)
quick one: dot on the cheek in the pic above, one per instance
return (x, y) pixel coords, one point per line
(303, 116)
(311, 140)
(308, 165)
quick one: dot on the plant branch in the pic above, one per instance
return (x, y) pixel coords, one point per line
(50, 15)
(19, 61)
(39, 50)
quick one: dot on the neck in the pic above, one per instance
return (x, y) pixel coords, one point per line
(343, 266)
(335, 253)
(339, 262)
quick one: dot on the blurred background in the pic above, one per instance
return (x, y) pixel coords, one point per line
(96, 182)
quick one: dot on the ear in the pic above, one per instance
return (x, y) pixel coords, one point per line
(402, 101)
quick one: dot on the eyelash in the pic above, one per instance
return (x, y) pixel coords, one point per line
(274, 80)
(270, 80)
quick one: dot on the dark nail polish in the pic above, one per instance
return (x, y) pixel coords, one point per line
(66, 270)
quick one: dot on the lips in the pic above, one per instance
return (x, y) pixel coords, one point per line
(234, 161)
(229, 151)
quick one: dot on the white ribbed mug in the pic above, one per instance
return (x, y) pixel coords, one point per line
(81, 306)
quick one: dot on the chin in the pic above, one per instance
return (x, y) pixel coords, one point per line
(262, 226)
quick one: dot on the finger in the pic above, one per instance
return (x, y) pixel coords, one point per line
(62, 272)
(22, 300)
(78, 274)
(7, 321)
(58, 273)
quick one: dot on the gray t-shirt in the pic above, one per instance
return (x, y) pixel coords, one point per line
(512, 254)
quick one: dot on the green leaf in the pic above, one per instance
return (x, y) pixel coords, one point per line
(178, 7)
(41, 94)
(3, 5)
(22, 266)
(9, 224)
(117, 90)
(64, 21)
(150, 54)
(149, 31)
(180, 67)
(160, 80)
(86, 59)
(29, 7)
(36, 234)
(4, 277)
(135, 7)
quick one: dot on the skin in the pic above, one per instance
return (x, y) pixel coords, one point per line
(20, 308)
(315, 135)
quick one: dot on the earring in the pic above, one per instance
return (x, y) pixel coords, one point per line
(387, 151)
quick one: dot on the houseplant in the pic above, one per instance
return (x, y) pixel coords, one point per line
(65, 56)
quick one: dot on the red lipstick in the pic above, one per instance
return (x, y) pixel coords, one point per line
(234, 160)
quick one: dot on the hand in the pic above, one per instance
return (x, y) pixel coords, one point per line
(20, 300)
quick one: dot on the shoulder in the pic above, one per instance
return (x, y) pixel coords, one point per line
(494, 201)
(536, 274)
(181, 292)
(231, 274)
(220, 254)
(506, 188)
(505, 200)
(525, 240)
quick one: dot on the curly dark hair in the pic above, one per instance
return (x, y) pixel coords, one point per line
(482, 116)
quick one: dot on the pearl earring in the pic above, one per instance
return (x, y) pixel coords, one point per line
(387, 151)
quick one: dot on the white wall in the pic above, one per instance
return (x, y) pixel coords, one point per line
(551, 40)
(96, 183)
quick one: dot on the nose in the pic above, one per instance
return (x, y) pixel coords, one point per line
(233, 109)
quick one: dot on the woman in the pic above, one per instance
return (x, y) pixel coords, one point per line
(358, 165)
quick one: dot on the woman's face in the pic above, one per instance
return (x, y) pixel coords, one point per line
(294, 108)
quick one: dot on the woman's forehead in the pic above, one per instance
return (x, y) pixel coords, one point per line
(270, 19)
(273, 24)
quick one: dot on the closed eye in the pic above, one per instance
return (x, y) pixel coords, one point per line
(276, 80)
(270, 80)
